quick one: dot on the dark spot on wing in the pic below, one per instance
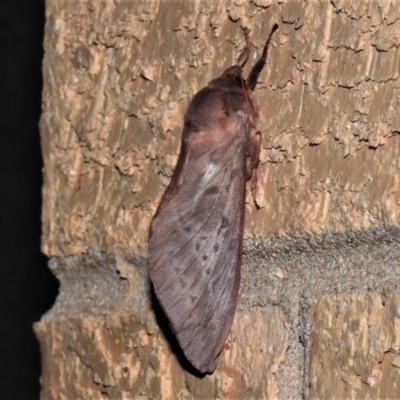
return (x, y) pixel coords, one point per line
(208, 271)
(216, 284)
(205, 258)
(203, 237)
(224, 222)
(216, 247)
(187, 228)
(192, 299)
(211, 190)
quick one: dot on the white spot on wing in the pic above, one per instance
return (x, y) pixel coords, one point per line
(211, 171)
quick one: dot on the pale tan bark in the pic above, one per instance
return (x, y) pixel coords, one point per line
(322, 246)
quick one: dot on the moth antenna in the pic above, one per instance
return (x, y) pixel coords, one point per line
(255, 71)
(244, 55)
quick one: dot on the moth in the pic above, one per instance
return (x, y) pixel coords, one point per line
(195, 239)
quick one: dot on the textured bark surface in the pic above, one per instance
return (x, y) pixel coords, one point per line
(317, 316)
(119, 76)
(356, 347)
(110, 343)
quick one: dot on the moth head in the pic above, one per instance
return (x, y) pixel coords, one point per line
(233, 76)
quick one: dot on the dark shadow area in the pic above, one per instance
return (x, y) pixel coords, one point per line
(27, 287)
(165, 327)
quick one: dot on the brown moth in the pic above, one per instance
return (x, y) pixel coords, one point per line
(195, 242)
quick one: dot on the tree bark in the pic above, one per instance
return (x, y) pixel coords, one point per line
(319, 310)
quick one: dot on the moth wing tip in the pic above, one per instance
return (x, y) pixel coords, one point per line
(208, 368)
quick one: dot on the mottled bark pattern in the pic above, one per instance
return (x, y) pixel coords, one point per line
(323, 236)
